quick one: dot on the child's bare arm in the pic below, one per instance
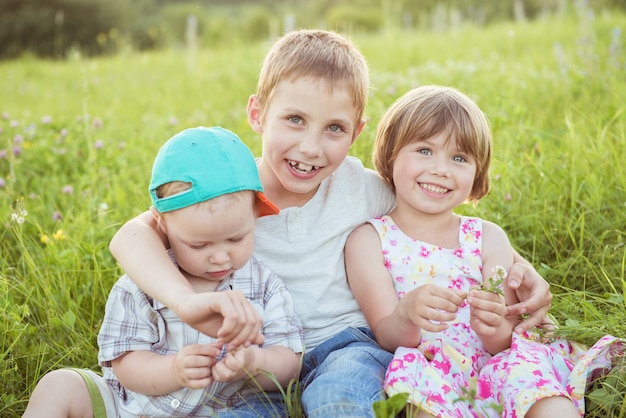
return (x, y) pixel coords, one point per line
(488, 308)
(395, 322)
(141, 251)
(154, 374)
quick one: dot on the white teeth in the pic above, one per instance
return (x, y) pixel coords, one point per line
(434, 189)
(302, 166)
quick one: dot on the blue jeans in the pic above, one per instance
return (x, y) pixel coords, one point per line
(343, 376)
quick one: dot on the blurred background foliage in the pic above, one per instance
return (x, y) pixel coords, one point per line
(59, 28)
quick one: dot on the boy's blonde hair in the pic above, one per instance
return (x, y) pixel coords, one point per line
(428, 111)
(319, 54)
(176, 187)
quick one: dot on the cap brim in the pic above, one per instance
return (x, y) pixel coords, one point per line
(264, 206)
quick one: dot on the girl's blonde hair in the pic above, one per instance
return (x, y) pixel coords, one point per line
(427, 111)
(318, 54)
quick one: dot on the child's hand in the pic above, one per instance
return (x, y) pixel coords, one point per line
(227, 316)
(533, 293)
(236, 365)
(429, 307)
(193, 365)
(487, 311)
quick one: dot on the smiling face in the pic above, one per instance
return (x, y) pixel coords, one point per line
(433, 175)
(211, 240)
(307, 130)
(441, 118)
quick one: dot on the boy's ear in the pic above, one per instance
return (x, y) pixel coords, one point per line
(159, 220)
(358, 130)
(254, 114)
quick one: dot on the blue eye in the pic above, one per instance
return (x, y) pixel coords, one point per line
(336, 128)
(295, 119)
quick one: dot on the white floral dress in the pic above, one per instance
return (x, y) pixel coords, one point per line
(450, 374)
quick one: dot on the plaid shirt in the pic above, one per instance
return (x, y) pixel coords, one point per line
(134, 321)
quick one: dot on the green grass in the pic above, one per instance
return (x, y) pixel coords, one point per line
(88, 130)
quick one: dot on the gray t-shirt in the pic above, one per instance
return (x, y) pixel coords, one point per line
(304, 247)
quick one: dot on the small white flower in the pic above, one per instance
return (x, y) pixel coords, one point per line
(19, 212)
(500, 272)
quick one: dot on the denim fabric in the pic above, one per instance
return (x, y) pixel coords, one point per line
(343, 376)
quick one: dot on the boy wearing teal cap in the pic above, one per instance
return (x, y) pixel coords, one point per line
(206, 196)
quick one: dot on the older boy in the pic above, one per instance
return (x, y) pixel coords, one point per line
(309, 108)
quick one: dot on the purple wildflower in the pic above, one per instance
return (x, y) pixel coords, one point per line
(67, 189)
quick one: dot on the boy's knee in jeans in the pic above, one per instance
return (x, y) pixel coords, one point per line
(347, 382)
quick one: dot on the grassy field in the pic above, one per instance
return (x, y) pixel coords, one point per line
(77, 140)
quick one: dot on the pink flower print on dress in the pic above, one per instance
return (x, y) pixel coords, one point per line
(387, 263)
(424, 252)
(435, 397)
(443, 365)
(484, 389)
(393, 242)
(396, 364)
(542, 382)
(457, 283)
(409, 357)
(393, 381)
(458, 252)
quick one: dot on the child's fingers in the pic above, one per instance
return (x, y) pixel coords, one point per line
(193, 365)
(242, 322)
(486, 303)
(447, 300)
(532, 320)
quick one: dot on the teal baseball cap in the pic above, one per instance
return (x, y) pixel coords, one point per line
(214, 161)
